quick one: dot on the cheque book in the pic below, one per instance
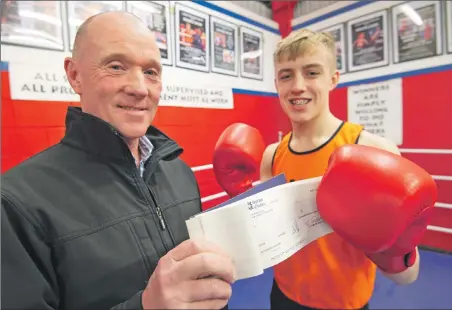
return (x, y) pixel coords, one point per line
(265, 225)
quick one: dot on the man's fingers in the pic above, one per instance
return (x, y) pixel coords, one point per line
(206, 265)
(207, 289)
(192, 247)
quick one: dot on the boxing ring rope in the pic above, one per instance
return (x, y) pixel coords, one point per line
(426, 151)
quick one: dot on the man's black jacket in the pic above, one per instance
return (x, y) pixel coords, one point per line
(81, 229)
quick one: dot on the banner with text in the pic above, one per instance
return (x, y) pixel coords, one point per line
(49, 83)
(378, 107)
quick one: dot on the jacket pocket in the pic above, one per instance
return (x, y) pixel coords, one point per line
(105, 266)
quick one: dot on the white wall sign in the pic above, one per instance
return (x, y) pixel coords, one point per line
(40, 83)
(48, 83)
(191, 95)
(378, 107)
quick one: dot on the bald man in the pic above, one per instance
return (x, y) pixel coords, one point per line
(98, 220)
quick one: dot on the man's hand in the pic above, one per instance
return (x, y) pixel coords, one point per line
(194, 275)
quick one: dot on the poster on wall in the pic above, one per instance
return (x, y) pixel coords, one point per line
(368, 42)
(155, 14)
(79, 11)
(337, 32)
(192, 40)
(224, 47)
(416, 30)
(37, 24)
(251, 53)
(378, 107)
(449, 25)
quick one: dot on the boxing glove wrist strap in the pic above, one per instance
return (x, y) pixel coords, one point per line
(393, 264)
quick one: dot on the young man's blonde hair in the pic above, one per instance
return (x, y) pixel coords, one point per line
(304, 41)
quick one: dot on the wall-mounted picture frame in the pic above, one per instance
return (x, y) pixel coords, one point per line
(192, 38)
(79, 11)
(224, 47)
(449, 25)
(368, 41)
(251, 53)
(416, 30)
(156, 15)
(338, 33)
(35, 24)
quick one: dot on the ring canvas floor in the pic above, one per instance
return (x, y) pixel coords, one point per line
(432, 290)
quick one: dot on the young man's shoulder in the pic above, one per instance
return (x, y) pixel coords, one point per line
(370, 139)
(267, 161)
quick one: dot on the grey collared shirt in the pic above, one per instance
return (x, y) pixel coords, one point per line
(146, 147)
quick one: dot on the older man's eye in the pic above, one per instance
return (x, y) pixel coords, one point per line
(151, 72)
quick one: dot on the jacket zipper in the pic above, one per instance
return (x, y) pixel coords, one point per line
(160, 216)
(158, 210)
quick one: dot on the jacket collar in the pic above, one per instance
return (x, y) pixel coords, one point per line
(95, 136)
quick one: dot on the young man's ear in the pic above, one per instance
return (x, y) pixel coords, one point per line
(335, 79)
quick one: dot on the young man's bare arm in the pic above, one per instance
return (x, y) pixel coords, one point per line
(410, 275)
(266, 163)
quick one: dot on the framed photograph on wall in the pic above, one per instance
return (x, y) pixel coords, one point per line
(37, 24)
(416, 30)
(449, 25)
(338, 33)
(79, 11)
(224, 47)
(192, 39)
(251, 53)
(156, 15)
(368, 42)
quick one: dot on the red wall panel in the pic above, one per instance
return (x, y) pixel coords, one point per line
(437, 240)
(435, 164)
(442, 217)
(444, 191)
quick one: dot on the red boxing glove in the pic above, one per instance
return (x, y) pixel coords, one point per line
(378, 201)
(237, 157)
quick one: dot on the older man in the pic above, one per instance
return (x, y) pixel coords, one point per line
(98, 220)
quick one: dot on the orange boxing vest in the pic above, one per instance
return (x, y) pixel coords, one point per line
(328, 273)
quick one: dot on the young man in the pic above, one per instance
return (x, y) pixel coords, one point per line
(329, 273)
(98, 220)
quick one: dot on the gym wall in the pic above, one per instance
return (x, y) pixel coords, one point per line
(426, 105)
(34, 120)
